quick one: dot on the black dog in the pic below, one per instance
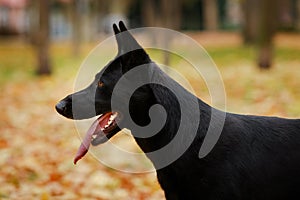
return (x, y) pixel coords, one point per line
(254, 158)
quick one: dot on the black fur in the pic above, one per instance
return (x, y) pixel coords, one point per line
(255, 158)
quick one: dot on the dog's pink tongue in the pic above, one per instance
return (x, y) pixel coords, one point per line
(85, 144)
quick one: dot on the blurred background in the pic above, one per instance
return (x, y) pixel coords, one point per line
(254, 43)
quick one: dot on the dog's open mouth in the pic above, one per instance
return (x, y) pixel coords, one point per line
(103, 128)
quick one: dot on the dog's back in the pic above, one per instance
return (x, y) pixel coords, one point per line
(255, 158)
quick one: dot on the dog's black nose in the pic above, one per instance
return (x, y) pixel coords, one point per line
(61, 107)
(64, 107)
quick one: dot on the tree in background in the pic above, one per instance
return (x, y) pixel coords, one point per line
(210, 15)
(267, 25)
(165, 13)
(42, 45)
(250, 10)
(260, 25)
(297, 20)
(76, 27)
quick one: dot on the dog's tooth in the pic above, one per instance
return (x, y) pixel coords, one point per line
(106, 126)
(113, 117)
(94, 136)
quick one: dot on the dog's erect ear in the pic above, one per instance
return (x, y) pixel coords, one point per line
(116, 30)
(125, 40)
(122, 26)
(131, 53)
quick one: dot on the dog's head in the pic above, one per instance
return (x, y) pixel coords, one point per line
(96, 98)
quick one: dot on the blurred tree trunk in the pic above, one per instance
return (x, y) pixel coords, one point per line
(33, 11)
(260, 24)
(298, 15)
(266, 31)
(171, 18)
(149, 14)
(43, 38)
(149, 11)
(76, 28)
(285, 13)
(171, 13)
(210, 10)
(165, 13)
(250, 25)
(86, 25)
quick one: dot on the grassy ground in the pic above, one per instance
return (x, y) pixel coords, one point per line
(37, 145)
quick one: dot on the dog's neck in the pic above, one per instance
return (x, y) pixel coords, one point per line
(165, 135)
(161, 94)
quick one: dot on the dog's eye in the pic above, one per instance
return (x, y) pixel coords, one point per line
(100, 84)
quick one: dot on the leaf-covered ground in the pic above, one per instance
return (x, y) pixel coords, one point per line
(37, 145)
